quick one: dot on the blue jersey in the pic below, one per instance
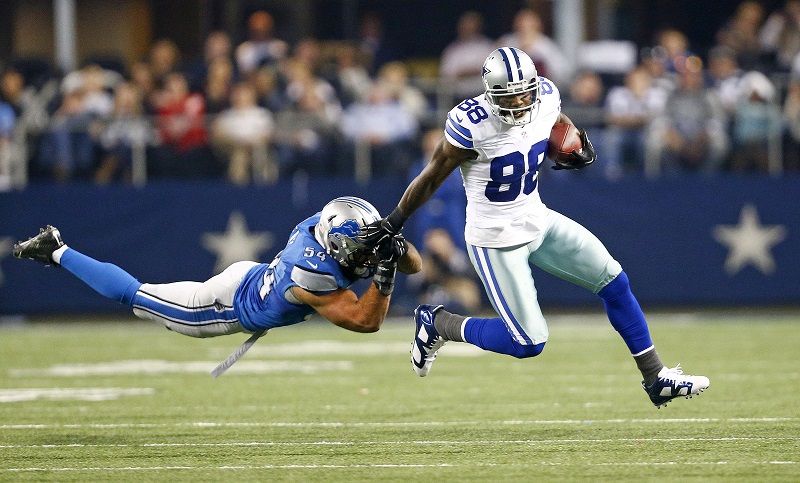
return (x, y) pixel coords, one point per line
(262, 302)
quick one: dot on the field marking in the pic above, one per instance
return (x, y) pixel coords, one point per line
(71, 394)
(389, 465)
(392, 443)
(154, 367)
(335, 424)
(318, 348)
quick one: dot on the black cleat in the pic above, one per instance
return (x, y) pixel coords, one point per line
(41, 246)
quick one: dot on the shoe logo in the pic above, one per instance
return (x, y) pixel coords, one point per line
(313, 265)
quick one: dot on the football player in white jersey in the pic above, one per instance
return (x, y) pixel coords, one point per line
(499, 140)
(313, 273)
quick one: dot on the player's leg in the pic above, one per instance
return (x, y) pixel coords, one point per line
(573, 253)
(520, 331)
(193, 308)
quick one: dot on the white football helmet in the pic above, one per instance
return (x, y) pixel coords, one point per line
(340, 222)
(509, 71)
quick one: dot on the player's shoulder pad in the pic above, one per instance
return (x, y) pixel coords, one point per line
(457, 129)
(314, 280)
(551, 97)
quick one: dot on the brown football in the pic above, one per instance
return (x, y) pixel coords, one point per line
(564, 139)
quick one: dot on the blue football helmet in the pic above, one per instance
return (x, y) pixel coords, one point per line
(506, 72)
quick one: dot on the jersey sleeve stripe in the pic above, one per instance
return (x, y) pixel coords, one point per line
(458, 127)
(313, 281)
(456, 137)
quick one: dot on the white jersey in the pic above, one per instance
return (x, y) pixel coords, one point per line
(503, 204)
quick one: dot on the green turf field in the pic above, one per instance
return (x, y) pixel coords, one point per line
(133, 402)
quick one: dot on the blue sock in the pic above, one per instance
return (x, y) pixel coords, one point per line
(625, 314)
(493, 335)
(107, 279)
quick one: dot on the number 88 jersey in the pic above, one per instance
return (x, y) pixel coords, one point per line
(503, 204)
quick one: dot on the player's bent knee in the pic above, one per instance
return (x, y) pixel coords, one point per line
(524, 351)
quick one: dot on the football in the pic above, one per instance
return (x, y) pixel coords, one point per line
(564, 139)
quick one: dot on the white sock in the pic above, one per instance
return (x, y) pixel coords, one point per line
(57, 254)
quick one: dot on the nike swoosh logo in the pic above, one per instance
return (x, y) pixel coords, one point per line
(458, 118)
(313, 265)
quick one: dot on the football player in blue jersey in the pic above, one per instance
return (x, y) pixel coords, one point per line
(499, 140)
(313, 273)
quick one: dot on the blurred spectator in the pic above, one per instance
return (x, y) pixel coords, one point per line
(266, 83)
(181, 123)
(740, 33)
(675, 48)
(96, 84)
(142, 77)
(7, 122)
(791, 117)
(28, 106)
(375, 43)
(725, 76)
(528, 35)
(781, 33)
(653, 59)
(351, 78)
(219, 84)
(216, 46)
(242, 135)
(386, 125)
(127, 134)
(309, 52)
(164, 58)
(306, 129)
(757, 118)
(691, 135)
(447, 276)
(394, 75)
(67, 149)
(630, 109)
(261, 46)
(462, 60)
(583, 103)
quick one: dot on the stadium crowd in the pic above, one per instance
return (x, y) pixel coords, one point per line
(262, 110)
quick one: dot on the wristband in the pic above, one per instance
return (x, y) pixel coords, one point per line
(396, 219)
(384, 277)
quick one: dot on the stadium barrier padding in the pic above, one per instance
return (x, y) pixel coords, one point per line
(661, 231)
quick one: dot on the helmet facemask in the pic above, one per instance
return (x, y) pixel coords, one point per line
(340, 223)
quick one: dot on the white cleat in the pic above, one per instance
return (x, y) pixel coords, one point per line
(672, 383)
(427, 340)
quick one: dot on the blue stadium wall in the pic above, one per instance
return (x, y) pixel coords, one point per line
(661, 231)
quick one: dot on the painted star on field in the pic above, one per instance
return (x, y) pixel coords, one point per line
(237, 243)
(749, 242)
(6, 243)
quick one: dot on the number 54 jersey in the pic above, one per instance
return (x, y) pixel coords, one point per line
(264, 299)
(503, 204)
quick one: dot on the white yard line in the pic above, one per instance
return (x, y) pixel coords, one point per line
(336, 424)
(387, 465)
(394, 443)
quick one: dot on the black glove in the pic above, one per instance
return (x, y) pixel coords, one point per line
(378, 233)
(580, 159)
(392, 248)
(384, 277)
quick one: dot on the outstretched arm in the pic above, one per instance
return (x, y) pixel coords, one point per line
(345, 309)
(446, 158)
(365, 314)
